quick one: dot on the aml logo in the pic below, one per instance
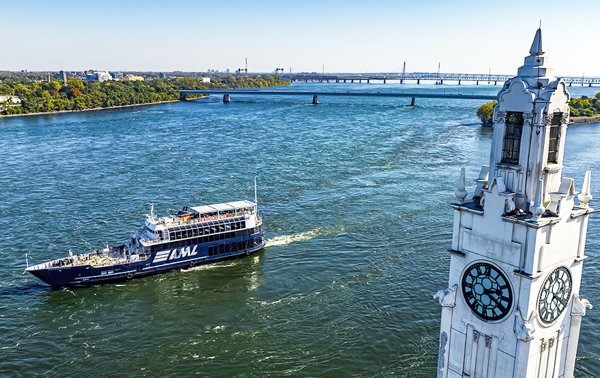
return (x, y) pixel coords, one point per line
(183, 252)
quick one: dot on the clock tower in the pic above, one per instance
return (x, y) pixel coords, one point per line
(512, 307)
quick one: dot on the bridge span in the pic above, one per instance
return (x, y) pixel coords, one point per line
(227, 93)
(438, 78)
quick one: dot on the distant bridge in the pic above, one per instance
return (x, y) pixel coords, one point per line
(270, 92)
(438, 78)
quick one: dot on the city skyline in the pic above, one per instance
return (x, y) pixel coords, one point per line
(463, 37)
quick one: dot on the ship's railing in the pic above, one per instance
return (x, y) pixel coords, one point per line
(205, 219)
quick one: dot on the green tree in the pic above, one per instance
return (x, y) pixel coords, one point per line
(485, 112)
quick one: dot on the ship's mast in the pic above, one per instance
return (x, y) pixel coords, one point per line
(255, 193)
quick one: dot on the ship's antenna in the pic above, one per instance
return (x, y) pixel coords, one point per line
(152, 211)
(255, 192)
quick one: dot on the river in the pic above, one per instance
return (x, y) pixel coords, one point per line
(356, 195)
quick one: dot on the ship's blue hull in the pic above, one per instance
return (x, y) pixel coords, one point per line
(158, 262)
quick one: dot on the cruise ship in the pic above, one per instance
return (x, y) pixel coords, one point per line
(192, 236)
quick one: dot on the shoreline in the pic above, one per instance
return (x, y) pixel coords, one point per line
(584, 120)
(86, 110)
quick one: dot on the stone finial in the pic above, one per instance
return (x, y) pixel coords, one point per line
(482, 181)
(579, 306)
(538, 209)
(447, 297)
(461, 193)
(585, 197)
(536, 46)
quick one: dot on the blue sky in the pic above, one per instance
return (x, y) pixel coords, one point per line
(345, 36)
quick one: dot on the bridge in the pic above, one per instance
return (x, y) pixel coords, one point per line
(315, 94)
(438, 78)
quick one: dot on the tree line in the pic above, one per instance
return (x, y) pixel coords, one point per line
(39, 96)
(579, 107)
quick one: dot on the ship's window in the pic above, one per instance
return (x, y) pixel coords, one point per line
(221, 227)
(221, 249)
(178, 235)
(511, 145)
(554, 136)
(206, 230)
(227, 227)
(243, 224)
(195, 232)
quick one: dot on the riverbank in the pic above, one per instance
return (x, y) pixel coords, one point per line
(583, 120)
(86, 110)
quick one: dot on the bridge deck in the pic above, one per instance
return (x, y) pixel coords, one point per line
(263, 92)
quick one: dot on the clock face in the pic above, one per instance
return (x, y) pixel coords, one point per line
(554, 295)
(487, 291)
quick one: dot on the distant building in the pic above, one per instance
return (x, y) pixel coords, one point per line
(162, 75)
(131, 77)
(117, 75)
(8, 100)
(227, 70)
(206, 79)
(63, 76)
(97, 76)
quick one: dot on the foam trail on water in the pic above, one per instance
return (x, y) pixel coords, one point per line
(300, 237)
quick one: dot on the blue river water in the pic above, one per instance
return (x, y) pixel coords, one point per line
(355, 193)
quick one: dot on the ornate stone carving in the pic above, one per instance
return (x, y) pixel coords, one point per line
(524, 329)
(579, 306)
(447, 297)
(527, 118)
(500, 116)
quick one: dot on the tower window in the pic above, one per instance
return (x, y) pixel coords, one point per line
(512, 138)
(554, 138)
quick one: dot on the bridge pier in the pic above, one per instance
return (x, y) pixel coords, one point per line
(226, 98)
(315, 100)
(383, 81)
(477, 82)
(352, 81)
(368, 81)
(441, 81)
(458, 81)
(412, 101)
(360, 81)
(495, 82)
(401, 81)
(418, 81)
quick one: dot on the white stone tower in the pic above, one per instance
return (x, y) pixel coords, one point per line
(512, 307)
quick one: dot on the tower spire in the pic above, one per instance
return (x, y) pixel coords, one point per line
(536, 46)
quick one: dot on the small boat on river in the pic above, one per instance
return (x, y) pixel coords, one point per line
(192, 236)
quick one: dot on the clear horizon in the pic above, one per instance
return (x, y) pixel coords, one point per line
(346, 37)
